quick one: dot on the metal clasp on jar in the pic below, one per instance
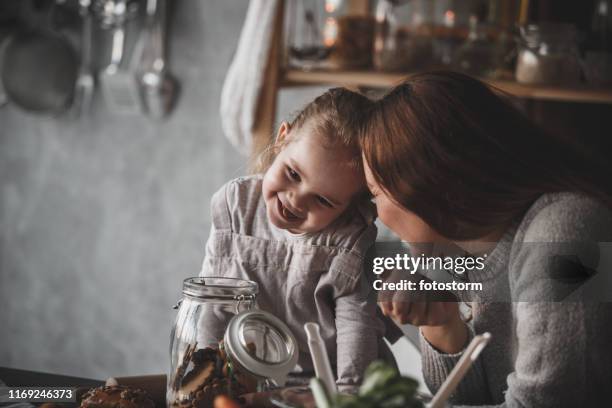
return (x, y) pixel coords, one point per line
(242, 298)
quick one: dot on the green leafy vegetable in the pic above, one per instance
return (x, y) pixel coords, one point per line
(383, 387)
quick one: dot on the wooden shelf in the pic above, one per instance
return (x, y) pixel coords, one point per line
(373, 79)
(278, 76)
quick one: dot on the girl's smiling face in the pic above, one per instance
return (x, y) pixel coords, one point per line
(308, 185)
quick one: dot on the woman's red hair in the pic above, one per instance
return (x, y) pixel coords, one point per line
(459, 155)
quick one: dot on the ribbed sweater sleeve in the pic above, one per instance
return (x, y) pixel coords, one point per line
(560, 344)
(437, 366)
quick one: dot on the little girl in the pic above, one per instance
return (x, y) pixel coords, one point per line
(301, 231)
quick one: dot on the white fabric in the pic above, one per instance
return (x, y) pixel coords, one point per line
(246, 73)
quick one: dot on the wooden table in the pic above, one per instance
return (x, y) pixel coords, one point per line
(14, 377)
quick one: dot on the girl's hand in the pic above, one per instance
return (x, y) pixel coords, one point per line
(440, 322)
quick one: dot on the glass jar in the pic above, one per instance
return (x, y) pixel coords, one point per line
(349, 30)
(403, 34)
(306, 48)
(331, 34)
(598, 53)
(199, 369)
(450, 28)
(548, 55)
(221, 344)
(480, 54)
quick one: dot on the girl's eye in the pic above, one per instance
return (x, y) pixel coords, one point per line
(293, 175)
(323, 201)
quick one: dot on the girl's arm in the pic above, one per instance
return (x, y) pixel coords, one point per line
(359, 332)
(207, 269)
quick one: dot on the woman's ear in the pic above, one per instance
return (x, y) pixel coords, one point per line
(281, 135)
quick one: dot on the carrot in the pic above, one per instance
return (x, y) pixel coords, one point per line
(223, 401)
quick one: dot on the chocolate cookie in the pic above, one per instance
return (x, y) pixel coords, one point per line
(116, 396)
(205, 374)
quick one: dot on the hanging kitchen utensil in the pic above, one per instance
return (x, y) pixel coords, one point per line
(40, 66)
(10, 13)
(4, 37)
(105, 11)
(84, 88)
(118, 79)
(159, 88)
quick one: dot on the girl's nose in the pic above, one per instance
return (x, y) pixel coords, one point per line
(296, 200)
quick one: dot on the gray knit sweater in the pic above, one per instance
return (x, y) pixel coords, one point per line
(542, 353)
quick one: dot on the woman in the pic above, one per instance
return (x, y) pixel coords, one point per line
(448, 160)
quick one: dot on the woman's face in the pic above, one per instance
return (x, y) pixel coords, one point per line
(406, 224)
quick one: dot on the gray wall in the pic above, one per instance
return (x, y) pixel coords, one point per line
(101, 218)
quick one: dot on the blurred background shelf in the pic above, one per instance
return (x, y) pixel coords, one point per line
(581, 113)
(373, 79)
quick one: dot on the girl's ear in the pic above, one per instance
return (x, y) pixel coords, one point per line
(281, 135)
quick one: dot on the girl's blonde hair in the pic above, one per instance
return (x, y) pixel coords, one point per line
(335, 116)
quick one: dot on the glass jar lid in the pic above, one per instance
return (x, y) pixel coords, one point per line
(533, 35)
(216, 287)
(262, 345)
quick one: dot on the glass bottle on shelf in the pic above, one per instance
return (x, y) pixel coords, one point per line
(306, 48)
(450, 29)
(504, 15)
(548, 55)
(601, 26)
(349, 30)
(403, 34)
(598, 55)
(331, 34)
(480, 54)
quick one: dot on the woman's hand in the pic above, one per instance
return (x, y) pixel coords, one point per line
(440, 322)
(419, 312)
(436, 313)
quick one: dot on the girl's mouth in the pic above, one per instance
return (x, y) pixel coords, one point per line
(285, 212)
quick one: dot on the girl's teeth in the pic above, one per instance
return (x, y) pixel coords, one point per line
(287, 213)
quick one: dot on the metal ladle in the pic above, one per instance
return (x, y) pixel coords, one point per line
(158, 87)
(85, 82)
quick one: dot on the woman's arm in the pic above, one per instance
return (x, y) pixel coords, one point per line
(443, 335)
(562, 337)
(438, 364)
(561, 361)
